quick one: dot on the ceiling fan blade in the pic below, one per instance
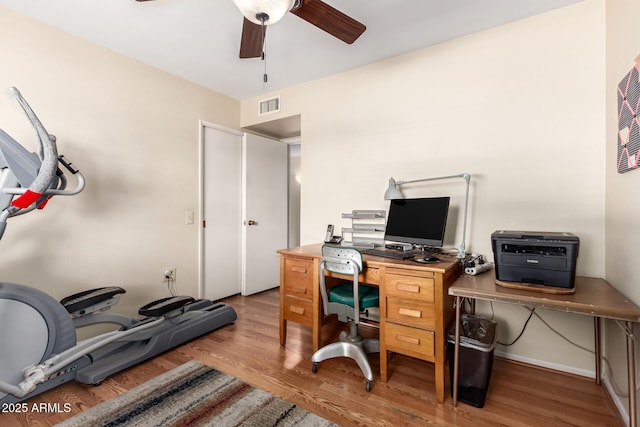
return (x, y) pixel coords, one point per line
(330, 20)
(252, 38)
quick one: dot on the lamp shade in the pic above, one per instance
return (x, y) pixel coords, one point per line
(393, 192)
(274, 10)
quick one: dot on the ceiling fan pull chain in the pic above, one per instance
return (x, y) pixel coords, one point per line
(264, 59)
(264, 52)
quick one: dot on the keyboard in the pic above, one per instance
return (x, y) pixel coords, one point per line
(388, 253)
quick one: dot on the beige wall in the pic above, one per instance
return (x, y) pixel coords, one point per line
(134, 133)
(622, 203)
(520, 107)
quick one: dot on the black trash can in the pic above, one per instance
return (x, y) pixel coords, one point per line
(477, 342)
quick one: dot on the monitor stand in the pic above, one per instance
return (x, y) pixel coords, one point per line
(427, 258)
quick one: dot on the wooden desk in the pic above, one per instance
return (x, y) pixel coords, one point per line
(415, 306)
(593, 297)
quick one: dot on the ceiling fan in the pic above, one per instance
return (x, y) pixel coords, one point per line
(261, 13)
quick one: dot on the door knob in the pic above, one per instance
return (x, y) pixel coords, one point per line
(251, 222)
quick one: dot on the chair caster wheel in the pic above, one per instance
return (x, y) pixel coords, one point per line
(368, 386)
(314, 367)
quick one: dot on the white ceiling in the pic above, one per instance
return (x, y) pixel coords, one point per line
(199, 40)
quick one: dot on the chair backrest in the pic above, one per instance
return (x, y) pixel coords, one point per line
(343, 260)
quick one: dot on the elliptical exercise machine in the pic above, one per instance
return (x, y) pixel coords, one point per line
(38, 345)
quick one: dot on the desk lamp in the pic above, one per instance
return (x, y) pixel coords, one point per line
(393, 192)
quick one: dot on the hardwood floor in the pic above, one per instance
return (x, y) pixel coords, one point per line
(519, 395)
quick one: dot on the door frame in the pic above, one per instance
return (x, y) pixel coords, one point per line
(202, 124)
(246, 248)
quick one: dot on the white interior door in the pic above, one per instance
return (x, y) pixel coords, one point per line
(221, 212)
(266, 212)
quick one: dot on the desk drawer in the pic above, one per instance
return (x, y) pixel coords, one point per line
(421, 288)
(297, 310)
(412, 342)
(413, 313)
(298, 277)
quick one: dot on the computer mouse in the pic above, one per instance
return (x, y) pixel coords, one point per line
(431, 259)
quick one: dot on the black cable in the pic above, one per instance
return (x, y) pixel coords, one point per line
(531, 311)
(170, 283)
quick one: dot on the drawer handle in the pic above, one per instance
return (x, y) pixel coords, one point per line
(302, 270)
(297, 310)
(410, 313)
(408, 288)
(299, 290)
(408, 339)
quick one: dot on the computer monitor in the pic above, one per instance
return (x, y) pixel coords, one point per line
(418, 221)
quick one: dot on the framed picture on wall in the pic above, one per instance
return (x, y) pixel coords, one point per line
(628, 120)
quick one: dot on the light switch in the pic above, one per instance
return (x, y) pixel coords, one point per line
(188, 216)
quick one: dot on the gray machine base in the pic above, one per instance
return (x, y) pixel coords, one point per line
(117, 357)
(68, 375)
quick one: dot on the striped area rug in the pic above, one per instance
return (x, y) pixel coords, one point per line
(194, 394)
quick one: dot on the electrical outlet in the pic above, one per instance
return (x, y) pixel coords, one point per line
(168, 273)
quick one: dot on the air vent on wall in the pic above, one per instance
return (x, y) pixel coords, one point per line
(269, 105)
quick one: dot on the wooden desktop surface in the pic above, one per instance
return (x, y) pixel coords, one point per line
(314, 251)
(593, 296)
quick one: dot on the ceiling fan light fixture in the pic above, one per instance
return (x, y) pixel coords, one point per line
(256, 10)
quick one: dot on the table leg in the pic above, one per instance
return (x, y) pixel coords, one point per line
(627, 328)
(384, 362)
(283, 330)
(316, 332)
(631, 372)
(456, 352)
(596, 333)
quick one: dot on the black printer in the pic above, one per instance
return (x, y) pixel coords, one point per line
(542, 258)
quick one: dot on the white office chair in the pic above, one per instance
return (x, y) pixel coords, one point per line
(347, 300)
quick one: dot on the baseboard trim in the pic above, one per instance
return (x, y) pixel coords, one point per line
(615, 398)
(606, 383)
(548, 365)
